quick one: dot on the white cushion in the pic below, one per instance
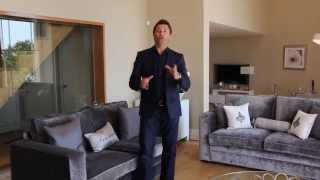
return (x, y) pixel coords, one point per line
(302, 124)
(102, 138)
(238, 116)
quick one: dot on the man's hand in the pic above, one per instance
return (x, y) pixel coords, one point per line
(173, 71)
(144, 83)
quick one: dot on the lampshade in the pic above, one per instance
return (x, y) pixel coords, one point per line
(316, 38)
(247, 70)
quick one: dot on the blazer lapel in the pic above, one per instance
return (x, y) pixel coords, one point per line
(170, 63)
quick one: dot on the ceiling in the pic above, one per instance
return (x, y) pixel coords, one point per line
(219, 30)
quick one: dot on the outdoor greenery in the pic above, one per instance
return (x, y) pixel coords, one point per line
(10, 54)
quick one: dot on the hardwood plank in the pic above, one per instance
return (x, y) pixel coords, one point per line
(189, 167)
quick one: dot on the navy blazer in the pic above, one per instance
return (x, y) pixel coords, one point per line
(144, 67)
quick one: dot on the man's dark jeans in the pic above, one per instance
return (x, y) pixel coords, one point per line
(150, 127)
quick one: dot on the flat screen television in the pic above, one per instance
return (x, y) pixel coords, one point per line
(230, 73)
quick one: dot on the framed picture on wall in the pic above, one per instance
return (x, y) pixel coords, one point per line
(294, 56)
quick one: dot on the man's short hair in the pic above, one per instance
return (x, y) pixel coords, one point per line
(162, 22)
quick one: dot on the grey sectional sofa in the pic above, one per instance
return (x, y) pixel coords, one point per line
(260, 148)
(36, 159)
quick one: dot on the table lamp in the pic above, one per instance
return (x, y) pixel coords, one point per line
(249, 70)
(316, 38)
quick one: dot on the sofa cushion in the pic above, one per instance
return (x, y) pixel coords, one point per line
(90, 121)
(102, 138)
(132, 146)
(68, 135)
(315, 131)
(94, 118)
(129, 123)
(260, 106)
(251, 138)
(271, 124)
(281, 142)
(287, 107)
(222, 121)
(238, 116)
(302, 124)
(37, 125)
(109, 111)
(100, 163)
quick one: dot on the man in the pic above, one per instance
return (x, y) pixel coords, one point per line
(159, 73)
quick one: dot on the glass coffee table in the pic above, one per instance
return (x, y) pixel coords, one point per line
(255, 175)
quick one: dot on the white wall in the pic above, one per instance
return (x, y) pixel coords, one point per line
(125, 32)
(248, 15)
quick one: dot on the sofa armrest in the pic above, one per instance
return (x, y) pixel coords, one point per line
(207, 124)
(34, 160)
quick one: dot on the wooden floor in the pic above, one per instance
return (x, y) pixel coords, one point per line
(4, 155)
(189, 167)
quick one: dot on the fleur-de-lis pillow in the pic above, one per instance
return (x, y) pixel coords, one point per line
(238, 116)
(302, 124)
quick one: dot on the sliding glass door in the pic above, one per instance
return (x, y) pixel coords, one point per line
(74, 67)
(45, 68)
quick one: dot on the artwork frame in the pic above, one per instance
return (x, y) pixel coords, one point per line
(294, 57)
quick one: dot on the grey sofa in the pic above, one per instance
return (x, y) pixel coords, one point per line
(36, 159)
(260, 148)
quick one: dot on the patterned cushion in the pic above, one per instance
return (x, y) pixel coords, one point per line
(302, 124)
(102, 138)
(238, 116)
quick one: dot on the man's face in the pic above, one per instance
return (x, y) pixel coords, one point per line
(161, 35)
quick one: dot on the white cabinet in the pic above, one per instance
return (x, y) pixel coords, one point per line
(183, 131)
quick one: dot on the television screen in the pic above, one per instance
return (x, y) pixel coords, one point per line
(230, 73)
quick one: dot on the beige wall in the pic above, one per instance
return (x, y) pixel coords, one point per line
(248, 15)
(287, 27)
(125, 32)
(284, 27)
(186, 19)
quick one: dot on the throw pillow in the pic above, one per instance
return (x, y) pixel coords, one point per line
(102, 138)
(270, 124)
(238, 116)
(221, 116)
(315, 131)
(302, 124)
(68, 135)
(129, 123)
